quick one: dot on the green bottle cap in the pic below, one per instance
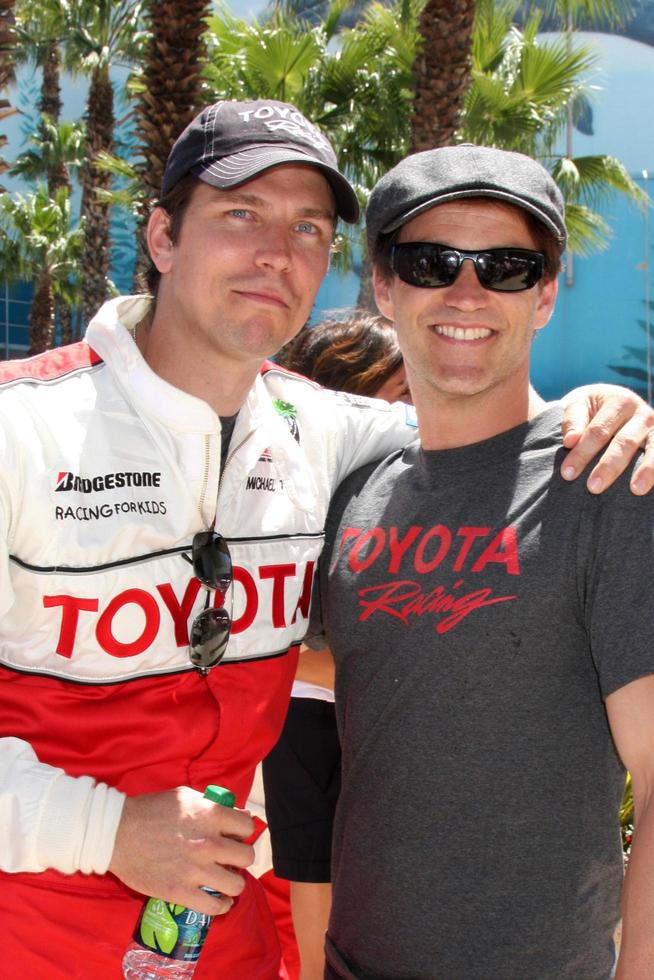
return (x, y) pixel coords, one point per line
(218, 794)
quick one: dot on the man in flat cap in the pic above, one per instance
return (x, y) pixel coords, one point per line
(491, 626)
(162, 503)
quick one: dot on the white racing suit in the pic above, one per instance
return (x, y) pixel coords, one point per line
(107, 473)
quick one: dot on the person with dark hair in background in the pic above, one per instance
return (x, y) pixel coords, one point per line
(359, 355)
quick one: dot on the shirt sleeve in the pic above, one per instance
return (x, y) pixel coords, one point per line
(616, 578)
(48, 819)
(370, 429)
(52, 820)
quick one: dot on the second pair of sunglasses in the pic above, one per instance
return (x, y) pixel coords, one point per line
(429, 265)
(212, 566)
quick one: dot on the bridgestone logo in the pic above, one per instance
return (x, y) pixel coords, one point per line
(110, 481)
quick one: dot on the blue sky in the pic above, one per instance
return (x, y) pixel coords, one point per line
(245, 8)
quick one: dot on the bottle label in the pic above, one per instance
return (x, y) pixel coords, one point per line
(172, 930)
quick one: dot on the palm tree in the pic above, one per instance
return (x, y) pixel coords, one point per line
(37, 243)
(57, 150)
(519, 97)
(100, 34)
(443, 65)
(441, 71)
(359, 92)
(169, 92)
(7, 56)
(170, 88)
(520, 85)
(377, 134)
(40, 25)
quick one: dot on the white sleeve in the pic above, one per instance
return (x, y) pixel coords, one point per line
(47, 818)
(52, 820)
(369, 429)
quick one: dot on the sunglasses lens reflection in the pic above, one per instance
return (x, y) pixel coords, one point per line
(212, 562)
(209, 636)
(429, 265)
(507, 272)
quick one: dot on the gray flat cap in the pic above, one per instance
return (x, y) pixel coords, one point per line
(449, 173)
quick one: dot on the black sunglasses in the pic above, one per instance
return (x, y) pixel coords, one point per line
(212, 565)
(429, 265)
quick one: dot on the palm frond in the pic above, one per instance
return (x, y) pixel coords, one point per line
(58, 144)
(593, 180)
(587, 231)
(589, 13)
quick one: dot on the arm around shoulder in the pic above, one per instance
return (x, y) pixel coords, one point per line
(614, 419)
(370, 429)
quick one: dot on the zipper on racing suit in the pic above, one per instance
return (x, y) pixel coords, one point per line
(207, 466)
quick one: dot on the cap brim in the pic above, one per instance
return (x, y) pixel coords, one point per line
(505, 196)
(237, 168)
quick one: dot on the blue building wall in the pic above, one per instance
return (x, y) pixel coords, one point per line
(599, 322)
(15, 302)
(598, 325)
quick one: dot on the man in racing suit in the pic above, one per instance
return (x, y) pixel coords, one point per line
(166, 421)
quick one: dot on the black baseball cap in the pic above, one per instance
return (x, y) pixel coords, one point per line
(229, 143)
(449, 173)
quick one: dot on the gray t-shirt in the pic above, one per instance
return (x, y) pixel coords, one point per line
(479, 610)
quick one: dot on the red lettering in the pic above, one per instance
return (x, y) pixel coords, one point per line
(180, 611)
(375, 534)
(251, 599)
(398, 546)
(441, 532)
(384, 596)
(403, 600)
(468, 534)
(103, 630)
(503, 549)
(279, 574)
(349, 532)
(304, 602)
(71, 606)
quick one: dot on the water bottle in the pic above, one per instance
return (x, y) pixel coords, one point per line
(168, 938)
